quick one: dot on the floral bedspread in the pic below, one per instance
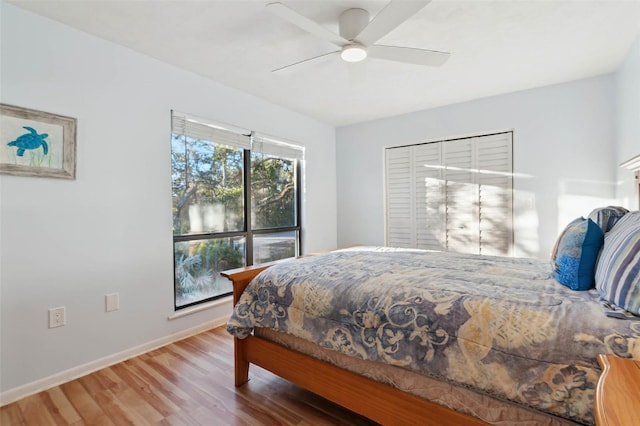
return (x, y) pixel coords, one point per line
(502, 326)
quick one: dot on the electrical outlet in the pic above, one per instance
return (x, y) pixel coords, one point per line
(57, 317)
(112, 302)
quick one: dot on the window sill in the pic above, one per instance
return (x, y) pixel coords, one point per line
(203, 307)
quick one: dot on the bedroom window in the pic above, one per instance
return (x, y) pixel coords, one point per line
(453, 195)
(235, 203)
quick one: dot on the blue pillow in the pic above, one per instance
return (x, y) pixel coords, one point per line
(574, 257)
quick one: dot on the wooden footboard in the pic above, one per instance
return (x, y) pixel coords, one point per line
(241, 278)
(379, 402)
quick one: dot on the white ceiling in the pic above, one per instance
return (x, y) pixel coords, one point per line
(496, 46)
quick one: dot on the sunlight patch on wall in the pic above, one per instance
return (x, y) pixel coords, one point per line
(579, 197)
(526, 224)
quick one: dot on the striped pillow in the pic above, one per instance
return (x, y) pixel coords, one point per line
(606, 217)
(618, 268)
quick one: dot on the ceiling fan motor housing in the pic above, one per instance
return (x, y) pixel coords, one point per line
(352, 22)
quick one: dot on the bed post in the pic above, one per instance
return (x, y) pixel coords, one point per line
(240, 363)
(241, 278)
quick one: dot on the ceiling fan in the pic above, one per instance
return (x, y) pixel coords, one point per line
(357, 34)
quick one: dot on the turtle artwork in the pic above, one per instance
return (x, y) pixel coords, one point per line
(31, 140)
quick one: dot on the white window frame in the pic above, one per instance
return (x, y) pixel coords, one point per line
(250, 142)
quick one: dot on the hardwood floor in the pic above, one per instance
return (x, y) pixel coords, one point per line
(189, 382)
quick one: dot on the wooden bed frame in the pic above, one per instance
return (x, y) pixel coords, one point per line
(617, 388)
(379, 402)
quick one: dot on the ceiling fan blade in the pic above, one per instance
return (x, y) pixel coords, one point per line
(394, 14)
(315, 59)
(305, 23)
(408, 55)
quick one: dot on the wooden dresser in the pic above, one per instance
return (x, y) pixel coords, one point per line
(618, 392)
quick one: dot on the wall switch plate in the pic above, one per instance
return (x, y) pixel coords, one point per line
(57, 317)
(112, 302)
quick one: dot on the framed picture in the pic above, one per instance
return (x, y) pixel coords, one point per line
(37, 143)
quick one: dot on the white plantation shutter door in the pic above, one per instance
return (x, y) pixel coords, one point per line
(461, 194)
(430, 197)
(495, 201)
(454, 195)
(399, 208)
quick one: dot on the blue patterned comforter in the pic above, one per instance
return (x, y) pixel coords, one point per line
(502, 326)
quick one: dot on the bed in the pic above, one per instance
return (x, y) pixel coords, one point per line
(407, 336)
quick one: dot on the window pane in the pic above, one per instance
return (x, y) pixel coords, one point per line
(274, 246)
(207, 181)
(197, 267)
(273, 192)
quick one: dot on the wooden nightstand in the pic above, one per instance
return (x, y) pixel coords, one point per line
(618, 392)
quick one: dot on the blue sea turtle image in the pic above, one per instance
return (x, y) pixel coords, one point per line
(31, 140)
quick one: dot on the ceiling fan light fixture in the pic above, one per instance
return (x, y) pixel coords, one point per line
(353, 53)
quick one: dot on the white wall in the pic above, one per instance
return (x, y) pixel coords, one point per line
(70, 242)
(564, 158)
(627, 123)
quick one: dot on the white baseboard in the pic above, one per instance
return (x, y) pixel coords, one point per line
(28, 389)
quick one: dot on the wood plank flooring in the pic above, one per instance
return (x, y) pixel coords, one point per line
(189, 382)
